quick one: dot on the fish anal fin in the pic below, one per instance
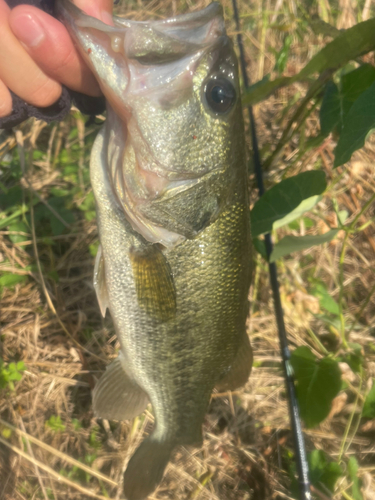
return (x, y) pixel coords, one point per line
(156, 293)
(116, 396)
(240, 369)
(99, 282)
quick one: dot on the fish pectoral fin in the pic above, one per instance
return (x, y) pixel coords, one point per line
(99, 282)
(116, 396)
(240, 370)
(155, 289)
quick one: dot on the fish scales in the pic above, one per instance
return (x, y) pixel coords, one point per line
(168, 172)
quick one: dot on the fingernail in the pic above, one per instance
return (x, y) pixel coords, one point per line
(106, 17)
(28, 30)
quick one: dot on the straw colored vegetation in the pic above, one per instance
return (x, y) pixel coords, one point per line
(54, 344)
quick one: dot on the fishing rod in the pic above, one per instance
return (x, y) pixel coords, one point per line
(294, 413)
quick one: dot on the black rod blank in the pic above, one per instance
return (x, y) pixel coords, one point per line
(301, 460)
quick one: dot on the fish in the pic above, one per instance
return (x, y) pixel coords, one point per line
(168, 171)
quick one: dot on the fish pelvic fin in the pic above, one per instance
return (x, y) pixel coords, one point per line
(146, 467)
(116, 396)
(99, 282)
(240, 369)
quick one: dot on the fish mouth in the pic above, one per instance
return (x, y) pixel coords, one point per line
(121, 54)
(174, 37)
(108, 49)
(190, 27)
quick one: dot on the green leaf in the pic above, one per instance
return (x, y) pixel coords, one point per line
(15, 370)
(295, 225)
(11, 372)
(325, 299)
(67, 215)
(358, 123)
(77, 425)
(54, 275)
(354, 361)
(354, 83)
(304, 206)
(58, 192)
(94, 440)
(93, 248)
(354, 357)
(18, 227)
(43, 214)
(90, 215)
(318, 382)
(342, 216)
(347, 46)
(11, 198)
(56, 225)
(73, 133)
(6, 433)
(70, 169)
(290, 244)
(322, 472)
(261, 90)
(321, 27)
(260, 247)
(88, 202)
(283, 55)
(369, 405)
(9, 280)
(330, 108)
(38, 155)
(55, 423)
(338, 102)
(285, 197)
(7, 220)
(4, 381)
(14, 375)
(333, 324)
(353, 474)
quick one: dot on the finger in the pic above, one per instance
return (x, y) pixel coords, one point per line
(5, 100)
(54, 53)
(19, 72)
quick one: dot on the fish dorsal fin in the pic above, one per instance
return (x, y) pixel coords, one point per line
(99, 282)
(116, 396)
(240, 369)
(154, 283)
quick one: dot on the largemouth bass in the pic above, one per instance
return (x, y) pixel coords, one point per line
(169, 177)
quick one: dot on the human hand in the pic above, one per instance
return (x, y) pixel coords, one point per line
(37, 55)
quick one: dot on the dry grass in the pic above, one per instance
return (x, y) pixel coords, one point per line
(51, 321)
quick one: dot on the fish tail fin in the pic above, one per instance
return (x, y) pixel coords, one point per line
(146, 467)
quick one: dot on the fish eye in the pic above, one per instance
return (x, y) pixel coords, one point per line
(220, 94)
